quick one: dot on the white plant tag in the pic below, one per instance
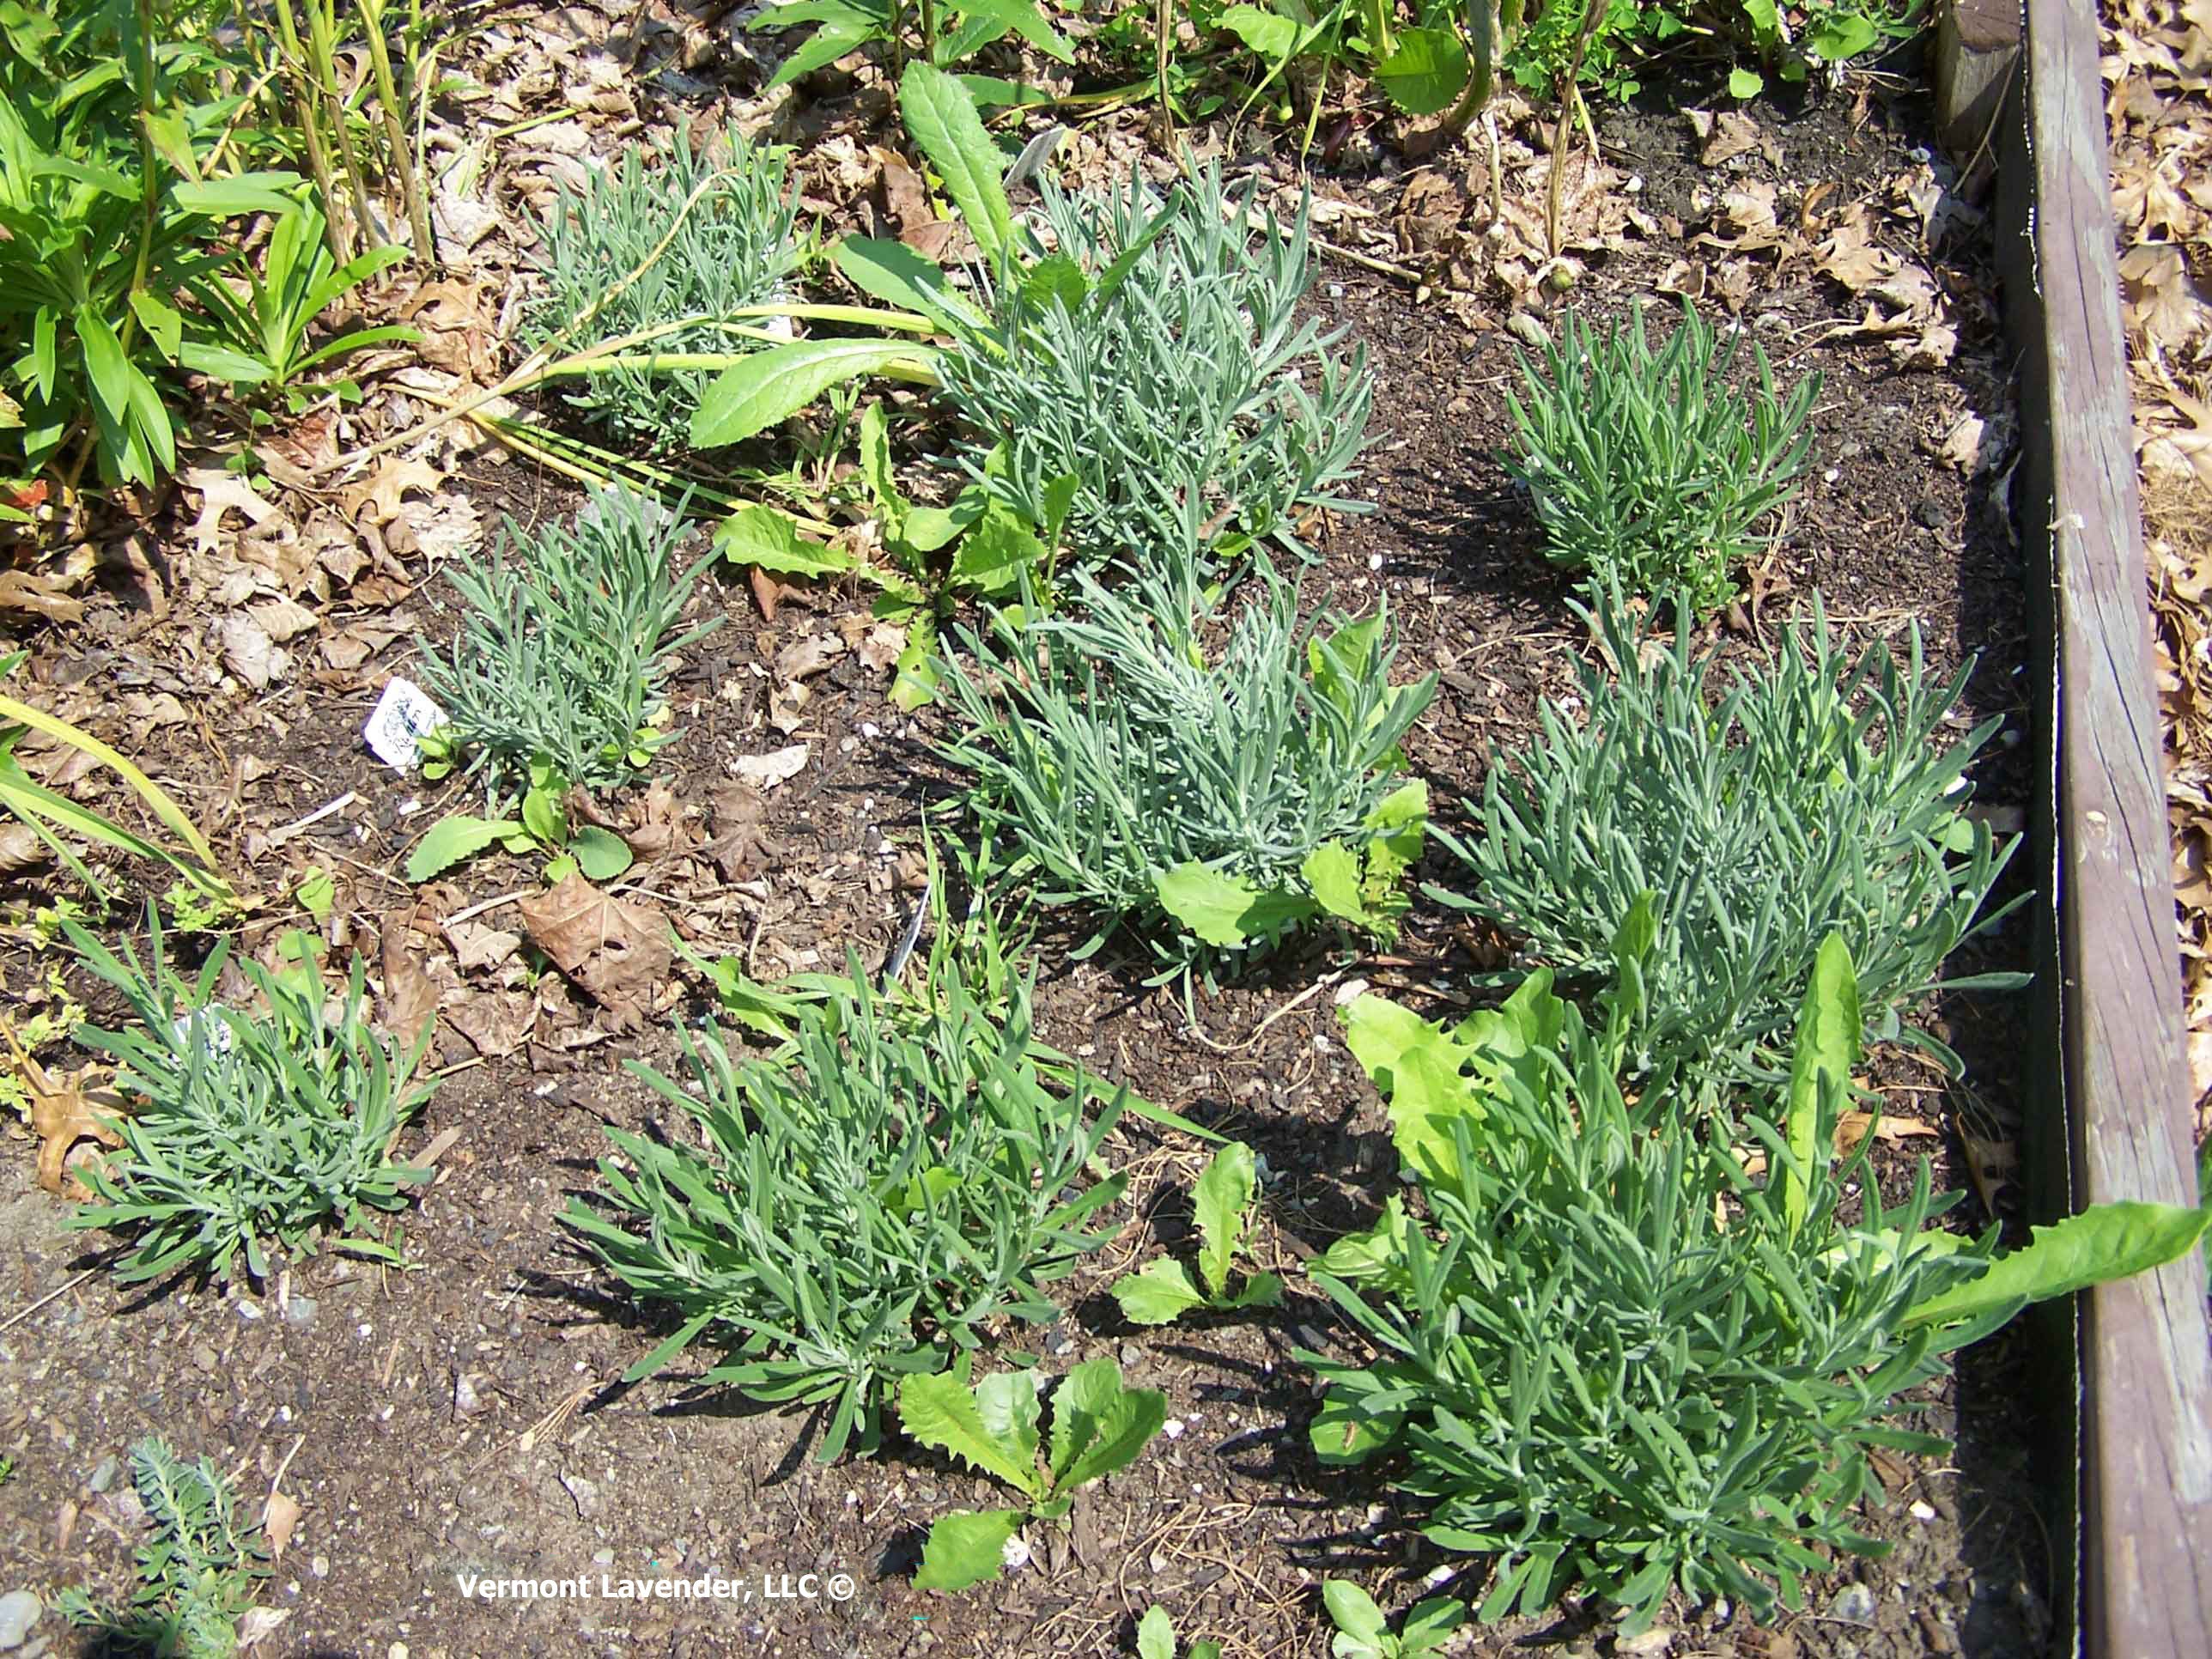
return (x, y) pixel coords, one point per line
(402, 716)
(208, 1027)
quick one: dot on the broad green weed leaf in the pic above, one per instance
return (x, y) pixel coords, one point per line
(966, 1547)
(1008, 1402)
(1418, 1068)
(452, 839)
(1084, 1396)
(1123, 1429)
(995, 552)
(915, 682)
(1159, 1295)
(1430, 1625)
(896, 275)
(1057, 277)
(939, 1412)
(1155, 1635)
(600, 853)
(1222, 1202)
(1022, 17)
(761, 536)
(1208, 902)
(1271, 34)
(942, 118)
(1828, 1046)
(1353, 1612)
(1332, 870)
(2105, 1242)
(767, 386)
(876, 468)
(1260, 1290)
(1427, 71)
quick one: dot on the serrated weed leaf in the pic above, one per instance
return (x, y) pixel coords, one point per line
(1098, 1424)
(939, 1412)
(1159, 1294)
(940, 116)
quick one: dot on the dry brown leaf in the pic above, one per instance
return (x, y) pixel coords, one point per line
(739, 848)
(478, 945)
(249, 653)
(1851, 1129)
(221, 493)
(615, 950)
(281, 619)
(38, 595)
(804, 658)
(70, 1120)
(764, 772)
(410, 1002)
(21, 849)
(494, 1022)
(279, 1515)
(385, 491)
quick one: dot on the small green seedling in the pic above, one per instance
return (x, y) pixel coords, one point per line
(1363, 1631)
(1164, 1292)
(198, 1572)
(1098, 1426)
(543, 825)
(1155, 1638)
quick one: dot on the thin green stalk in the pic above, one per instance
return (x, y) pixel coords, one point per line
(306, 107)
(388, 94)
(322, 42)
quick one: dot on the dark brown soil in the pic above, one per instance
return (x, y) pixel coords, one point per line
(466, 1415)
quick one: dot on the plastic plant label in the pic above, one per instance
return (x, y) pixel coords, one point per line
(205, 1027)
(403, 714)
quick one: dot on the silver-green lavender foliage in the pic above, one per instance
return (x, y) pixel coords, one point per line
(1610, 1358)
(733, 247)
(197, 1570)
(1130, 733)
(1647, 469)
(255, 1126)
(563, 643)
(862, 1205)
(1157, 356)
(1817, 795)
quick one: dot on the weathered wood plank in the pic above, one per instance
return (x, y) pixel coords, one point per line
(2145, 1357)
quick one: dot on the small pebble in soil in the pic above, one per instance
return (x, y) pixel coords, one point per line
(103, 1475)
(18, 1611)
(1854, 1605)
(300, 1312)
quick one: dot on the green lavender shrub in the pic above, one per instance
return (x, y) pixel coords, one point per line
(1157, 355)
(256, 1126)
(1647, 469)
(1614, 1355)
(712, 226)
(563, 647)
(1211, 782)
(1817, 796)
(861, 1205)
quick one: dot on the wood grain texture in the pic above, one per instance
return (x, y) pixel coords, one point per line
(2145, 1360)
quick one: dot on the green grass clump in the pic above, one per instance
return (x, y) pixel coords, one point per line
(1647, 469)
(563, 647)
(712, 228)
(255, 1126)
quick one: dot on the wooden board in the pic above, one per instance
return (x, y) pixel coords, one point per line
(2120, 1111)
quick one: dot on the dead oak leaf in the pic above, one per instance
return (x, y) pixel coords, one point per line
(615, 950)
(221, 493)
(66, 1115)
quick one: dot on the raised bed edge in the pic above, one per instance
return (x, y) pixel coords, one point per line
(2134, 1575)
